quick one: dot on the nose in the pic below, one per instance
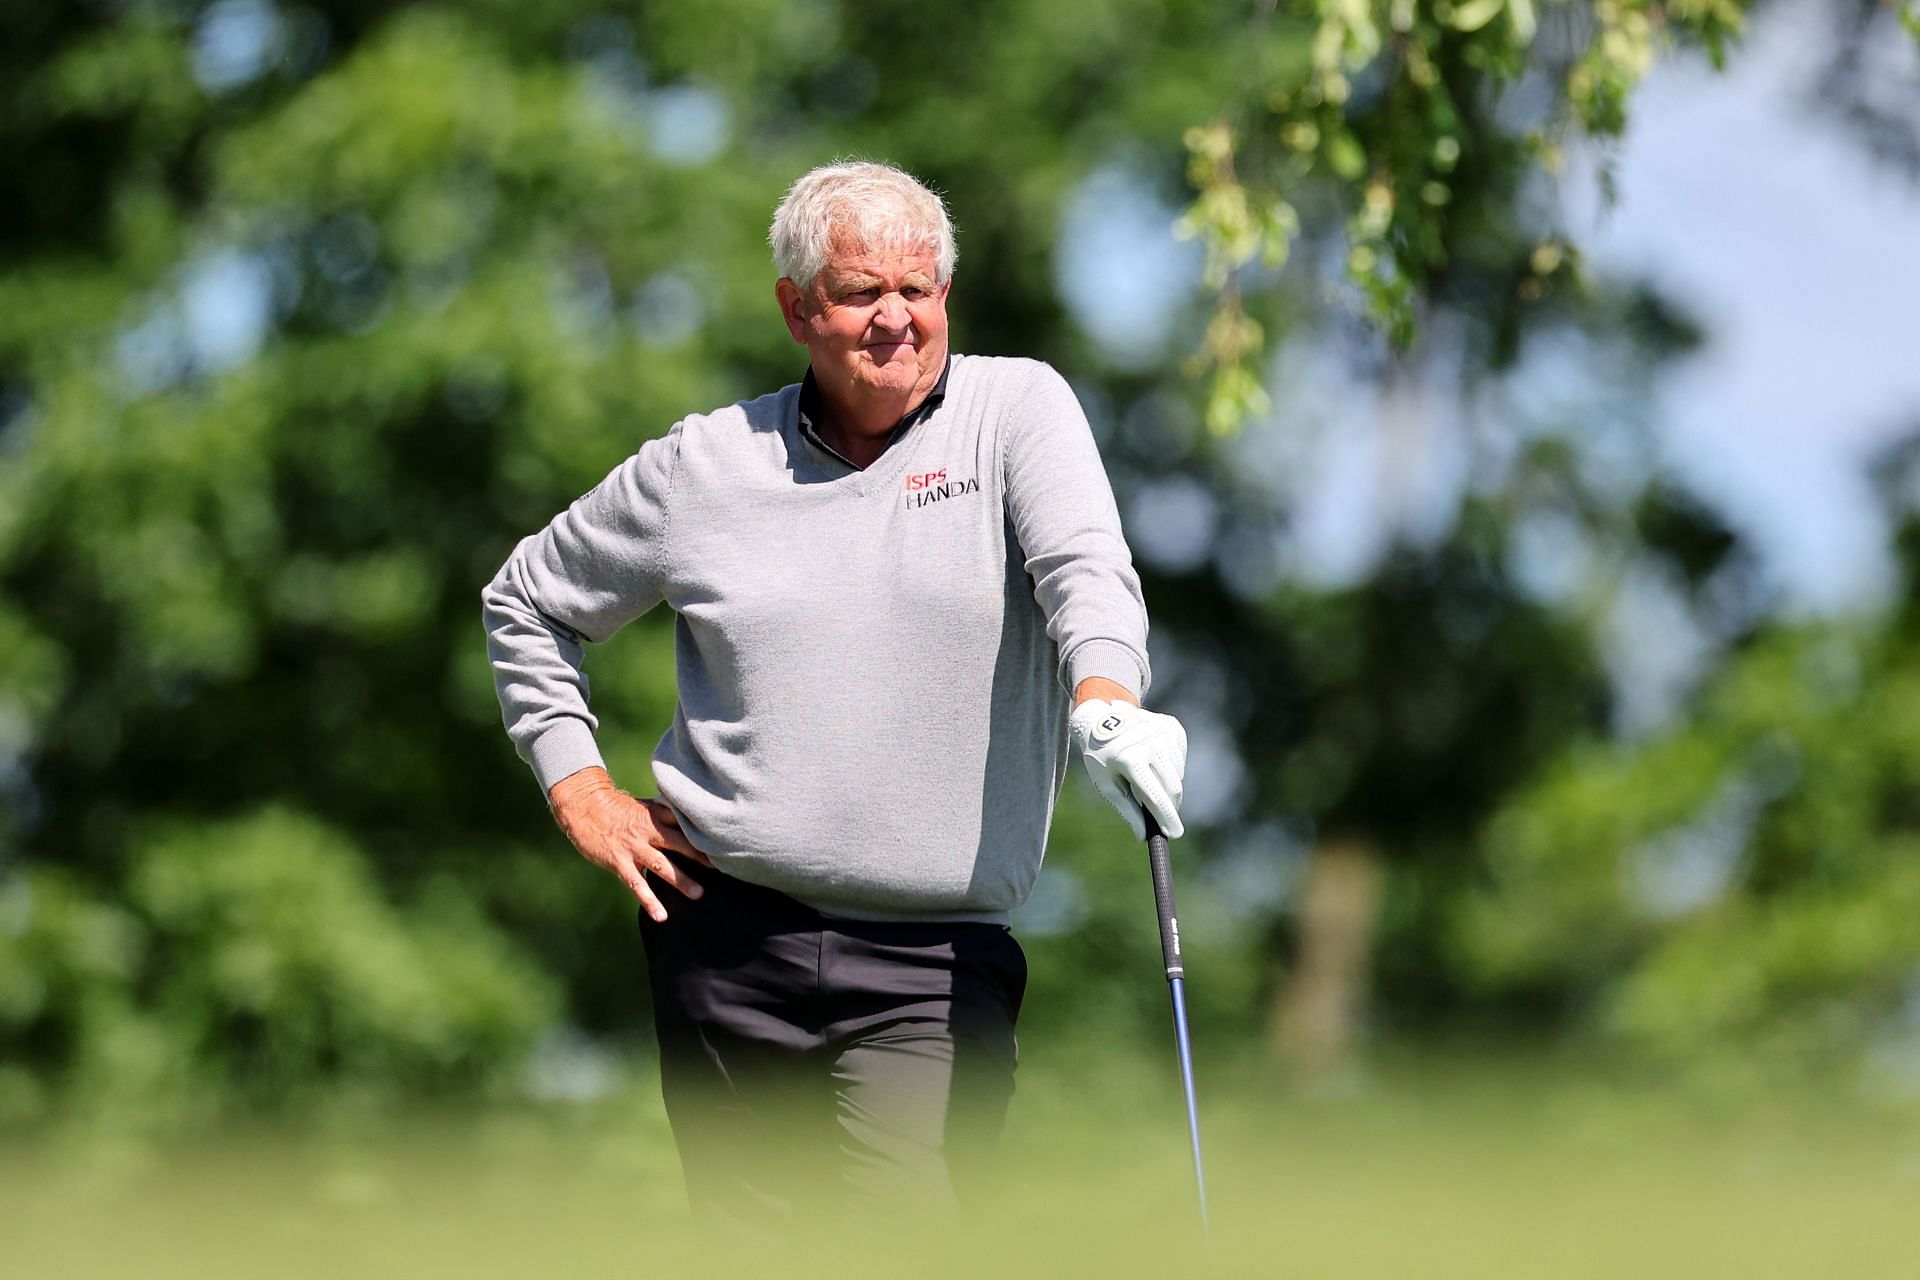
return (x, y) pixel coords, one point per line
(892, 314)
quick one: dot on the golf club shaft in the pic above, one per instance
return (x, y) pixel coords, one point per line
(1186, 1079)
(1161, 863)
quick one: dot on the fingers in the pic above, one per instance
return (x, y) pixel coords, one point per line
(667, 869)
(1154, 779)
(630, 874)
(1156, 776)
(633, 869)
(666, 834)
(632, 846)
(670, 834)
(1152, 794)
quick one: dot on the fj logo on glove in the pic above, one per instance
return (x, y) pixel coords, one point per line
(1108, 727)
(930, 487)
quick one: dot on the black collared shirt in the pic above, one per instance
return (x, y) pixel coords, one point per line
(812, 410)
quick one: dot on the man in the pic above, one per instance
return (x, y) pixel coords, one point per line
(890, 580)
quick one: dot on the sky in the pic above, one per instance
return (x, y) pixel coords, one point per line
(1800, 252)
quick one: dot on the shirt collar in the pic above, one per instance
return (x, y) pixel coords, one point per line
(811, 409)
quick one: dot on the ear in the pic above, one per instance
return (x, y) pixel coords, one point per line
(793, 309)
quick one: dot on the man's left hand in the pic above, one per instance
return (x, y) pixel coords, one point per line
(1137, 759)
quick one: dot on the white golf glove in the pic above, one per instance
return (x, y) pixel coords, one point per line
(1137, 759)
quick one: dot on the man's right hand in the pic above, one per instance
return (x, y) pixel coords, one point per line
(625, 835)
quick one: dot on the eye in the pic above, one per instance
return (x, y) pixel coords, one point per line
(860, 297)
(913, 293)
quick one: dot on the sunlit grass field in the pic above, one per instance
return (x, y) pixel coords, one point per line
(1421, 1167)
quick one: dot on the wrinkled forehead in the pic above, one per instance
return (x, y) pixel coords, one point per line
(896, 247)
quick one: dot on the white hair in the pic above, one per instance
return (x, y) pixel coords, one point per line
(856, 205)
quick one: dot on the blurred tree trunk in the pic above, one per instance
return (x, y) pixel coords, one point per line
(1318, 1010)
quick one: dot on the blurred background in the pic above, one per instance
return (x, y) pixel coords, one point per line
(1515, 411)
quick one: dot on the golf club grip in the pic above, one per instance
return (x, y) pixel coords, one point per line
(1162, 864)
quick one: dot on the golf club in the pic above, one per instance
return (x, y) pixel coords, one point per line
(1161, 863)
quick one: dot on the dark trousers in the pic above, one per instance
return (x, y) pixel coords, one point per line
(813, 1064)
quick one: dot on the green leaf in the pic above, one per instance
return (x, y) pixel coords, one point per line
(1521, 14)
(1475, 14)
(1345, 155)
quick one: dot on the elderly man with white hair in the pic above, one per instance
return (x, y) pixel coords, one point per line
(900, 588)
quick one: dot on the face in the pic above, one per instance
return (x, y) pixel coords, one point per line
(874, 324)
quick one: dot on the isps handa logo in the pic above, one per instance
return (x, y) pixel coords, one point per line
(924, 488)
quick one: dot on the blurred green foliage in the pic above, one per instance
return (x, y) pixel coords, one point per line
(246, 961)
(309, 311)
(1742, 892)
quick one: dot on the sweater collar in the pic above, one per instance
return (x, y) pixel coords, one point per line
(811, 410)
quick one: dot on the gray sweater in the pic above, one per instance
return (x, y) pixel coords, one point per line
(873, 666)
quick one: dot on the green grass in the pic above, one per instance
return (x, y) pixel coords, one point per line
(1433, 1168)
